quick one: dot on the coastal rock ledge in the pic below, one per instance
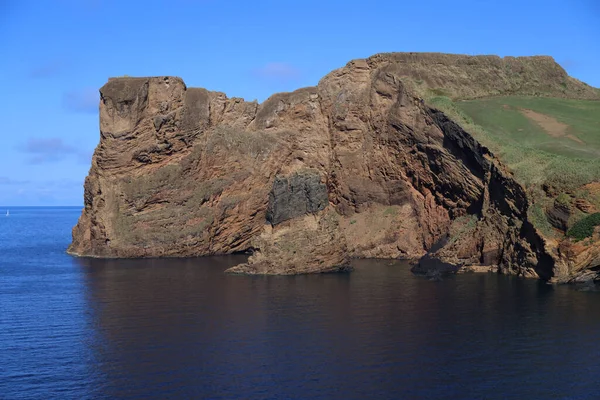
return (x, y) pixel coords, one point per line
(358, 166)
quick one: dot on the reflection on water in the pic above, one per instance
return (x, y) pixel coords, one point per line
(183, 328)
(169, 329)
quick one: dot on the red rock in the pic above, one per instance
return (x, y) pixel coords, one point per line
(358, 166)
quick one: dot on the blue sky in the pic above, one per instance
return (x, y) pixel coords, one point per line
(56, 54)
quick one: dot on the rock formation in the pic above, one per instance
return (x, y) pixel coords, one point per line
(358, 166)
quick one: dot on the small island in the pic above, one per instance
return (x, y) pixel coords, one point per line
(401, 155)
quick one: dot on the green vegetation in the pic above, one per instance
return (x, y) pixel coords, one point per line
(439, 92)
(462, 226)
(584, 228)
(160, 227)
(590, 195)
(562, 151)
(563, 126)
(390, 211)
(140, 190)
(141, 216)
(563, 199)
(545, 141)
(537, 216)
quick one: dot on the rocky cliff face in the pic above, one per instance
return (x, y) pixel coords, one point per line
(358, 166)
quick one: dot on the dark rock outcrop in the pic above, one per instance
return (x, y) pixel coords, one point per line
(558, 215)
(301, 193)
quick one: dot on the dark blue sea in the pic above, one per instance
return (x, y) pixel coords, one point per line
(182, 329)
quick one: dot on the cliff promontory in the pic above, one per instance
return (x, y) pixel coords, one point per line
(358, 166)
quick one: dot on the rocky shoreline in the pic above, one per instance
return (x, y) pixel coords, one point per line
(357, 167)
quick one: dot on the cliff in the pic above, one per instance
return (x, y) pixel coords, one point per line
(358, 166)
(468, 77)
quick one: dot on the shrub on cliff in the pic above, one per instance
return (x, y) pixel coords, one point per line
(584, 228)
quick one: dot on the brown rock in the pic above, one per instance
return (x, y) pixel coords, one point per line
(577, 260)
(303, 245)
(585, 206)
(358, 166)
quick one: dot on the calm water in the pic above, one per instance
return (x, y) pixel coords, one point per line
(181, 329)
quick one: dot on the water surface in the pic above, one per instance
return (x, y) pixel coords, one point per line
(167, 328)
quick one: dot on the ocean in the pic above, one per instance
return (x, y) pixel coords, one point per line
(74, 328)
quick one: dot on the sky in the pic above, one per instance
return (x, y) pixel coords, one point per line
(57, 54)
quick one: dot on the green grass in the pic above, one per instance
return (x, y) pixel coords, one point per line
(563, 199)
(502, 117)
(584, 228)
(534, 156)
(536, 215)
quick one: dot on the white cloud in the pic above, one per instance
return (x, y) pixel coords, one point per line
(278, 71)
(48, 150)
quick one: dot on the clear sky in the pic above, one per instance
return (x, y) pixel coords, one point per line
(57, 54)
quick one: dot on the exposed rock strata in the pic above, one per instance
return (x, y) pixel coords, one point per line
(358, 166)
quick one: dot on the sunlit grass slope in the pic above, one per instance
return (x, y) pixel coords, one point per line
(543, 140)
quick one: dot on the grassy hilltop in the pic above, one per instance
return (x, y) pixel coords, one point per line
(551, 144)
(542, 123)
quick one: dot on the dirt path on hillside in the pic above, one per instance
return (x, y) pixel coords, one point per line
(550, 125)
